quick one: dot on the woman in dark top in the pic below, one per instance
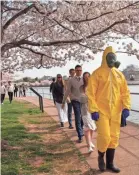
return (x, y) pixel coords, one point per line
(58, 93)
(15, 90)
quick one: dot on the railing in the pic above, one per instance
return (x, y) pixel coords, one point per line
(133, 93)
(40, 99)
(42, 92)
(45, 94)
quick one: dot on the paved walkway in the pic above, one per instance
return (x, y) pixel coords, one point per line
(127, 154)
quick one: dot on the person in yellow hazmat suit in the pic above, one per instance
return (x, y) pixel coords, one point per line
(108, 100)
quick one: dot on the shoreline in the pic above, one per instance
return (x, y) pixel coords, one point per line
(129, 83)
(133, 82)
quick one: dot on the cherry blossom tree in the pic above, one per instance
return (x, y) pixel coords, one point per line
(49, 33)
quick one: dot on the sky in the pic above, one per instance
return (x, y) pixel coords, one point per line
(87, 66)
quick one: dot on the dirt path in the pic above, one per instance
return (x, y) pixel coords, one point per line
(61, 156)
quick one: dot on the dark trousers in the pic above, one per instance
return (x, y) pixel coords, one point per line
(2, 98)
(78, 119)
(53, 99)
(70, 113)
(15, 93)
(24, 93)
(10, 96)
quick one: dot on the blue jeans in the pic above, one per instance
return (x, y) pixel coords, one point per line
(78, 119)
(70, 113)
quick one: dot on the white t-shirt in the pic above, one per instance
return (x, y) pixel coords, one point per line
(10, 88)
(3, 89)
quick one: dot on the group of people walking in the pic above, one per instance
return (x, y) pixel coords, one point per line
(100, 101)
(11, 90)
(69, 94)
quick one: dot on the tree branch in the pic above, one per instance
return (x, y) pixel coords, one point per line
(90, 47)
(100, 50)
(125, 34)
(91, 19)
(24, 11)
(58, 42)
(43, 13)
(66, 28)
(10, 8)
(37, 9)
(107, 28)
(41, 64)
(36, 52)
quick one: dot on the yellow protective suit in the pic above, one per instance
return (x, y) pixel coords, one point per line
(108, 94)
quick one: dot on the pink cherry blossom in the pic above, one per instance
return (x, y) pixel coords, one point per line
(49, 33)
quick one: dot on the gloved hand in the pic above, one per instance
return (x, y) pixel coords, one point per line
(95, 116)
(125, 114)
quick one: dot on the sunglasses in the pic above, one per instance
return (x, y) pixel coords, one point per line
(59, 77)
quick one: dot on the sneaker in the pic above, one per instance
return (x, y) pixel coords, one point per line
(70, 127)
(90, 149)
(92, 145)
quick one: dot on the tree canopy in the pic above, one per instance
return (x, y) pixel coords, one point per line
(49, 33)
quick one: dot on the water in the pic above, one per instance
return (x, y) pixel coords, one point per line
(134, 116)
(44, 91)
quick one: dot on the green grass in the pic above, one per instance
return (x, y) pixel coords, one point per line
(23, 147)
(15, 134)
(47, 167)
(12, 130)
